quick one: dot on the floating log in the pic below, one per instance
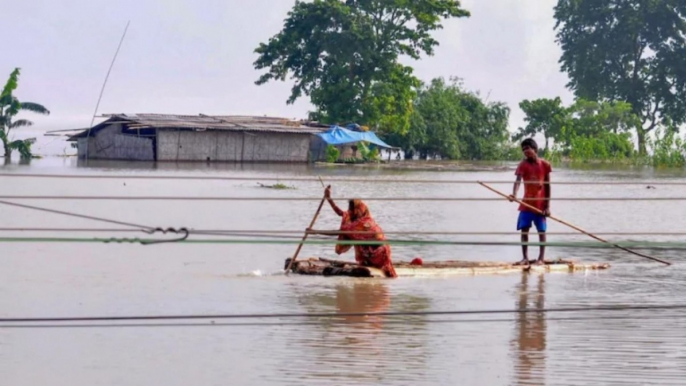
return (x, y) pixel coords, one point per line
(324, 267)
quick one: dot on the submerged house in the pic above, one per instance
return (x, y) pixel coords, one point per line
(161, 137)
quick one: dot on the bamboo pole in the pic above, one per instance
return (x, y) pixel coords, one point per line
(314, 219)
(536, 210)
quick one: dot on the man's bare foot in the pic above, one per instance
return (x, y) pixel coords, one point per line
(524, 261)
(540, 262)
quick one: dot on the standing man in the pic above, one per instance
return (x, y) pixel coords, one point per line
(535, 172)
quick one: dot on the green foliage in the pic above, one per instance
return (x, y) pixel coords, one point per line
(510, 152)
(332, 154)
(389, 106)
(544, 116)
(603, 146)
(452, 123)
(667, 150)
(363, 148)
(366, 154)
(23, 146)
(373, 155)
(345, 56)
(11, 85)
(583, 131)
(352, 160)
(592, 118)
(629, 50)
(9, 108)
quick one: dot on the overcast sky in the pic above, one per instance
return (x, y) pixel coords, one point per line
(190, 57)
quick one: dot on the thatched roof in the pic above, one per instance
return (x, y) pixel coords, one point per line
(203, 122)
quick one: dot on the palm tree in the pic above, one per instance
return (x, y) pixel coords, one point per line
(9, 108)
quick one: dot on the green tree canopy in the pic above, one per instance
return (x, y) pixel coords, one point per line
(586, 129)
(453, 123)
(344, 55)
(627, 50)
(545, 116)
(592, 118)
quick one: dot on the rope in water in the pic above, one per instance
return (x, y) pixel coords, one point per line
(136, 240)
(614, 308)
(150, 230)
(76, 215)
(330, 322)
(328, 179)
(247, 232)
(385, 199)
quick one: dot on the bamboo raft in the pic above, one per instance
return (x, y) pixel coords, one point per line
(324, 267)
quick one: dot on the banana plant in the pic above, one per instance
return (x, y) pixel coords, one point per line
(10, 107)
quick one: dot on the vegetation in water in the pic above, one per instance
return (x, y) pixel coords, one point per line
(668, 150)
(367, 154)
(352, 160)
(277, 186)
(10, 107)
(585, 130)
(590, 131)
(332, 154)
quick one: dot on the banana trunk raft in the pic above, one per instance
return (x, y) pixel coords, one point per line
(324, 267)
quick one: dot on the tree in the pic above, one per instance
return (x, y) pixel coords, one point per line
(344, 55)
(584, 130)
(627, 50)
(582, 119)
(593, 118)
(544, 116)
(452, 123)
(484, 135)
(9, 108)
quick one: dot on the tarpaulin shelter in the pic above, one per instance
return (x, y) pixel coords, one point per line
(345, 140)
(337, 135)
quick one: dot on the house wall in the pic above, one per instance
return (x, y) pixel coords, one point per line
(110, 143)
(176, 145)
(348, 152)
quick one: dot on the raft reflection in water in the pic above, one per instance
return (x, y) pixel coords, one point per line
(529, 343)
(361, 347)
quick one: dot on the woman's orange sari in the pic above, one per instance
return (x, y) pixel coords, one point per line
(378, 256)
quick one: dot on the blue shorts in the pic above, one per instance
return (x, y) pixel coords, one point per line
(527, 218)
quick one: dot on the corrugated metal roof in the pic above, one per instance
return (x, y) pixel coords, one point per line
(210, 122)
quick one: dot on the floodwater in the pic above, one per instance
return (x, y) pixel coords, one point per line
(86, 279)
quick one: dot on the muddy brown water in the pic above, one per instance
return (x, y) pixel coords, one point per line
(84, 279)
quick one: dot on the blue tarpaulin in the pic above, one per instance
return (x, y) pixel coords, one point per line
(337, 135)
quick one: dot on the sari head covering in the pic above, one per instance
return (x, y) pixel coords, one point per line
(357, 213)
(359, 209)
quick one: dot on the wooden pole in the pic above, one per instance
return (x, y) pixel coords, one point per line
(573, 226)
(314, 219)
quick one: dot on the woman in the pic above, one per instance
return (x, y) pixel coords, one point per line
(358, 219)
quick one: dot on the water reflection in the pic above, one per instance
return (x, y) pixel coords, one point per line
(370, 348)
(361, 297)
(529, 344)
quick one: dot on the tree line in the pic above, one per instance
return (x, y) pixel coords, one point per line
(626, 61)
